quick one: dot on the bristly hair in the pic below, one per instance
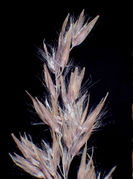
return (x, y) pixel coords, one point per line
(65, 111)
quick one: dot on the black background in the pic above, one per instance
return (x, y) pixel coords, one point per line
(107, 56)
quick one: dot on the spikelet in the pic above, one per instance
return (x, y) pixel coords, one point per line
(70, 123)
(87, 169)
(37, 162)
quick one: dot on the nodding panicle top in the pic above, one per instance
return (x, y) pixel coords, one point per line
(72, 33)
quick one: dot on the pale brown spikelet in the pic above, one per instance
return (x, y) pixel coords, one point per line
(82, 168)
(79, 23)
(64, 111)
(66, 49)
(56, 151)
(89, 123)
(86, 169)
(85, 111)
(75, 84)
(81, 31)
(61, 39)
(49, 82)
(37, 162)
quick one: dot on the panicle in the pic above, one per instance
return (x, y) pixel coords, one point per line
(65, 112)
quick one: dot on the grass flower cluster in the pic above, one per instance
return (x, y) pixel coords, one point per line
(65, 111)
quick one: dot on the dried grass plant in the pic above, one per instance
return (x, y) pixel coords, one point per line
(68, 119)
